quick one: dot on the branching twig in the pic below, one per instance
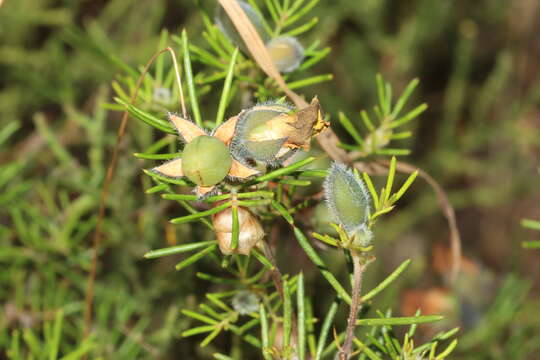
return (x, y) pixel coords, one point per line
(447, 209)
(98, 233)
(380, 168)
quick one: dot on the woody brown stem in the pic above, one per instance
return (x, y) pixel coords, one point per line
(98, 233)
(359, 266)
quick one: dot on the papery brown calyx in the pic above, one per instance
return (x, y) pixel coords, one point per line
(250, 231)
(206, 159)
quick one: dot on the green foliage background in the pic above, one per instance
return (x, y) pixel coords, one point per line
(478, 62)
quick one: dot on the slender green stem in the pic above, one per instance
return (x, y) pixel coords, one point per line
(284, 171)
(177, 249)
(189, 78)
(301, 346)
(235, 226)
(226, 89)
(264, 332)
(400, 320)
(201, 214)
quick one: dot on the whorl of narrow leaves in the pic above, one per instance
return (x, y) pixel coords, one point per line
(347, 198)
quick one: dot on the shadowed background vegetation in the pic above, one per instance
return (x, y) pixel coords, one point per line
(478, 64)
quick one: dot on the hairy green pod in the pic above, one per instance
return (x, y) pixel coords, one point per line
(227, 27)
(206, 160)
(348, 199)
(286, 52)
(245, 302)
(254, 124)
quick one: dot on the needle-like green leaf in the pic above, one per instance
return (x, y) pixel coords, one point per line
(225, 95)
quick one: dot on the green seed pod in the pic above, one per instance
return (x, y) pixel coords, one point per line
(286, 52)
(206, 160)
(227, 27)
(258, 136)
(347, 198)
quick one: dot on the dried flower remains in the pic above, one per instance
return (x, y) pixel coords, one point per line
(270, 133)
(206, 159)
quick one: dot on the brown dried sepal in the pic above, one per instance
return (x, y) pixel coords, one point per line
(185, 128)
(240, 171)
(225, 131)
(171, 168)
(250, 231)
(309, 122)
(297, 128)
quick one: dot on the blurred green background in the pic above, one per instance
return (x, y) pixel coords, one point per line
(478, 63)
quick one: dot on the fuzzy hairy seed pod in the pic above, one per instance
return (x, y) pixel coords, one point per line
(162, 95)
(227, 27)
(286, 52)
(245, 302)
(347, 198)
(206, 160)
(250, 231)
(261, 132)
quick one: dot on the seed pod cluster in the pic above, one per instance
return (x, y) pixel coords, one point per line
(250, 231)
(349, 202)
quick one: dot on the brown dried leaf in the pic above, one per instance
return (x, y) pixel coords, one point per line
(257, 48)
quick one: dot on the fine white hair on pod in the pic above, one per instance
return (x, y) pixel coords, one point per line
(347, 198)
